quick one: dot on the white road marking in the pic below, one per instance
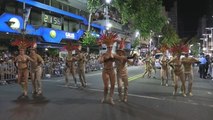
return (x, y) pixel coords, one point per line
(93, 74)
(156, 98)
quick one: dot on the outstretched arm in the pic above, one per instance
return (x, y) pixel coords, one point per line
(29, 58)
(194, 60)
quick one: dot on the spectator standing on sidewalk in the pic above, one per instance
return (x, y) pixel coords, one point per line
(207, 66)
(202, 65)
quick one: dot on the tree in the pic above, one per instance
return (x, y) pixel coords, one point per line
(135, 43)
(195, 49)
(89, 40)
(170, 37)
(92, 6)
(144, 15)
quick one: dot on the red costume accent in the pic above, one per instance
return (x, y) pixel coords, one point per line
(22, 43)
(108, 39)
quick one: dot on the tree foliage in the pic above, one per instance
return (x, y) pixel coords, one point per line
(92, 5)
(135, 42)
(144, 15)
(89, 39)
(195, 49)
(170, 36)
(195, 46)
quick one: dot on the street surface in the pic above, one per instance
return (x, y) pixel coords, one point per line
(147, 100)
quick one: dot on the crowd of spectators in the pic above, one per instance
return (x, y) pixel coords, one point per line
(53, 67)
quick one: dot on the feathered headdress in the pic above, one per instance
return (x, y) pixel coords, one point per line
(163, 48)
(179, 48)
(23, 43)
(107, 39)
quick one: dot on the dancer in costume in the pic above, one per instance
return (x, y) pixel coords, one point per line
(153, 65)
(36, 71)
(164, 68)
(81, 60)
(172, 69)
(176, 63)
(164, 65)
(22, 61)
(148, 63)
(122, 74)
(70, 64)
(108, 58)
(188, 71)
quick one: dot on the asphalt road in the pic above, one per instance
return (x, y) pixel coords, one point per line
(147, 100)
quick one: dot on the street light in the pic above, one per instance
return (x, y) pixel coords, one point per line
(108, 1)
(199, 47)
(108, 25)
(204, 44)
(211, 36)
(106, 11)
(137, 34)
(159, 36)
(207, 42)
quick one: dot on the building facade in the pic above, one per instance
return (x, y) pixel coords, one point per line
(52, 21)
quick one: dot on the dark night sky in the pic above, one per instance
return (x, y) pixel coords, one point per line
(189, 13)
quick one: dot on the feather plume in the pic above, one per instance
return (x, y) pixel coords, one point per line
(22, 43)
(107, 38)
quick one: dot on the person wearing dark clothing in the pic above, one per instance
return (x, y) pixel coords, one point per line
(202, 65)
(207, 65)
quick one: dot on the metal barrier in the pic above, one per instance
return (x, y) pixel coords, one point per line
(8, 72)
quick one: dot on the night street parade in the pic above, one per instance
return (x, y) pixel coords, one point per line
(106, 59)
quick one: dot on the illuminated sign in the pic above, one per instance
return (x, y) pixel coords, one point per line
(69, 35)
(51, 19)
(52, 34)
(59, 11)
(15, 24)
(10, 23)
